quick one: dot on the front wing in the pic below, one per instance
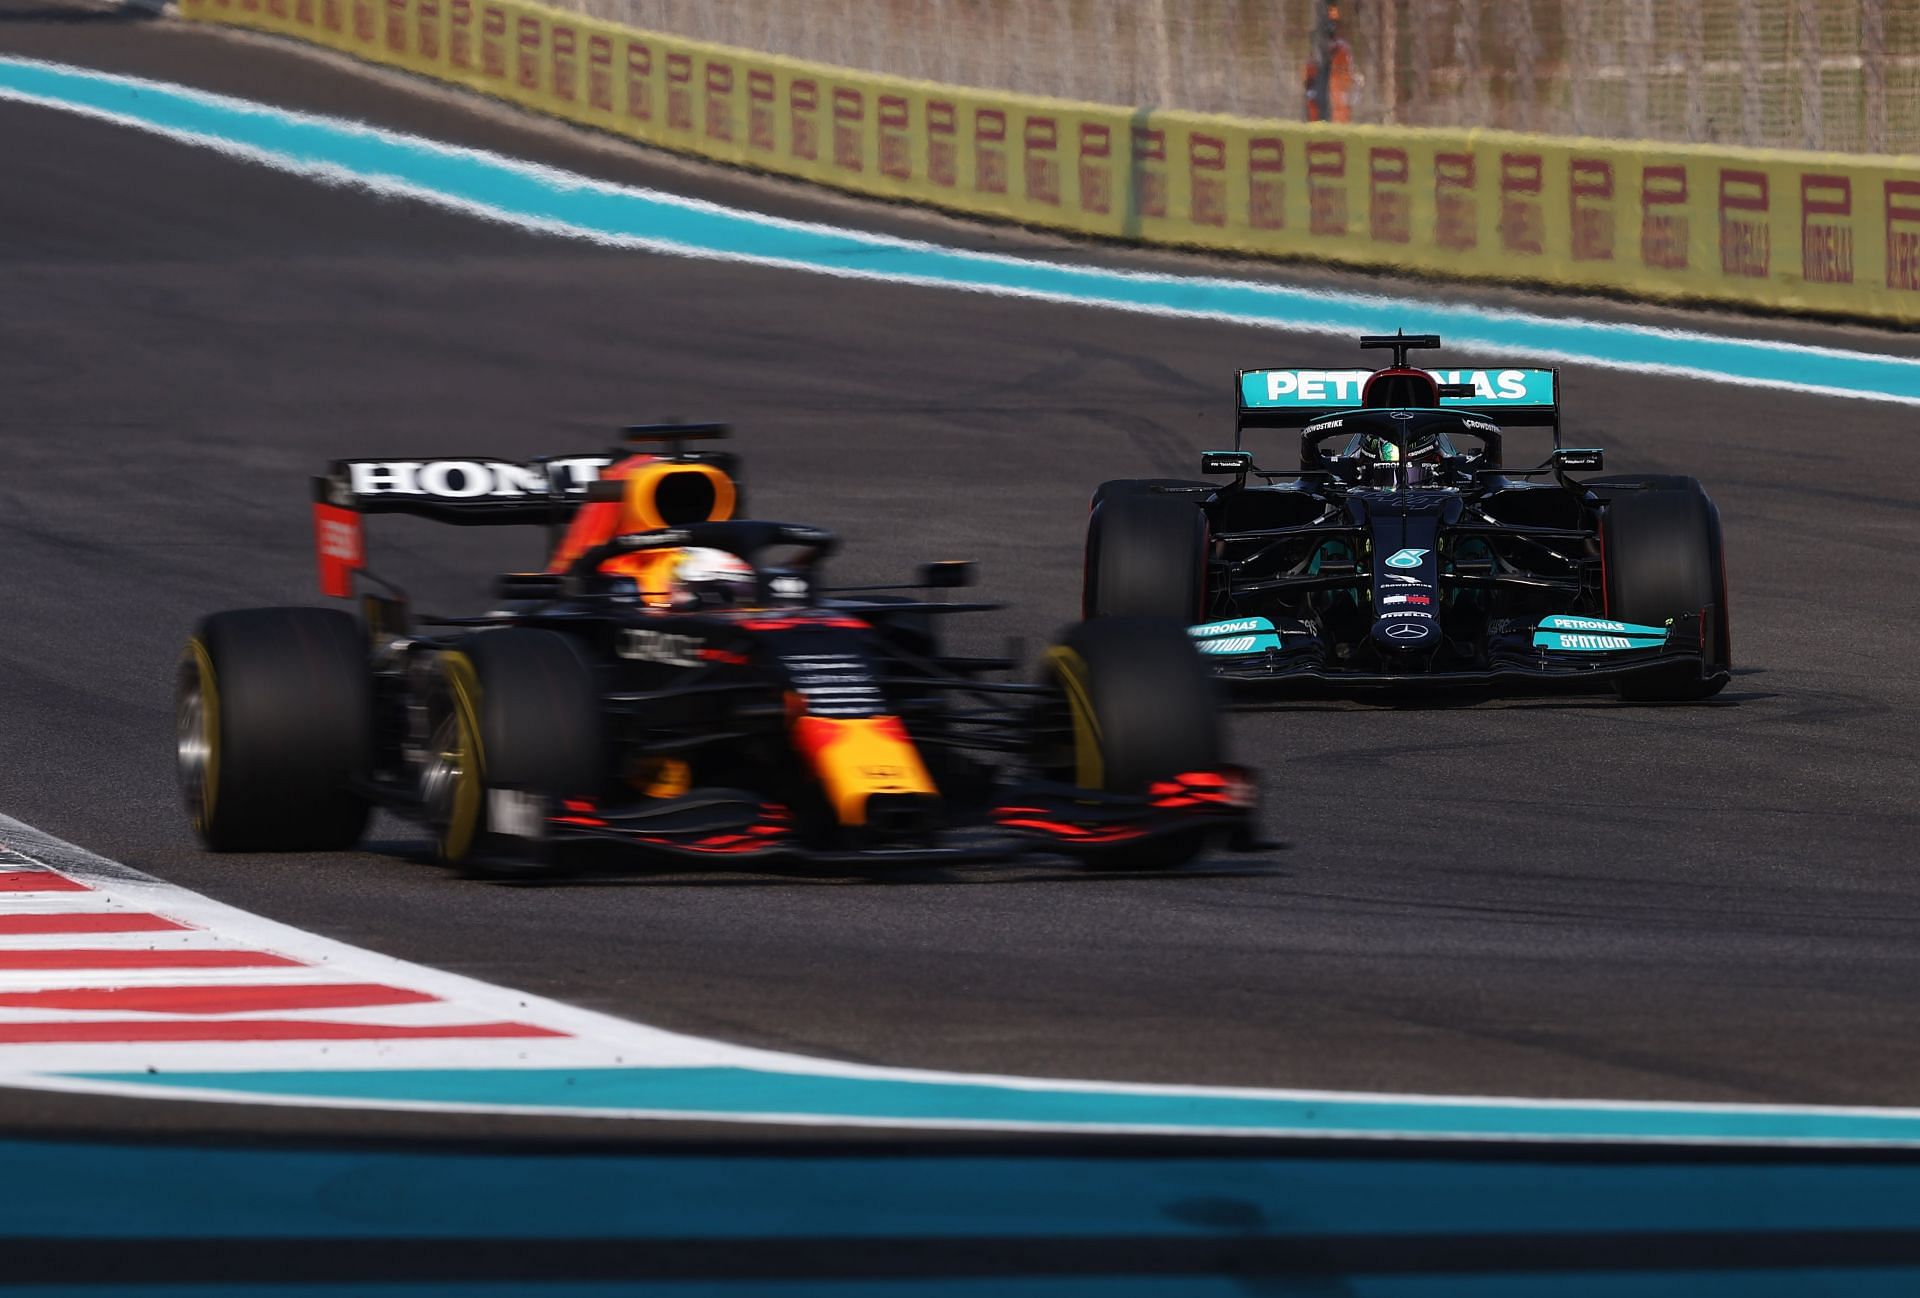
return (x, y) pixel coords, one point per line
(735, 827)
(1304, 663)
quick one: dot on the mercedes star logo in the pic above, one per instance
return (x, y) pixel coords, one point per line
(1407, 630)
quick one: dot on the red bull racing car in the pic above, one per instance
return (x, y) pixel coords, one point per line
(1405, 553)
(682, 685)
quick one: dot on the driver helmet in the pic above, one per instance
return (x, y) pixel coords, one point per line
(708, 578)
(1422, 456)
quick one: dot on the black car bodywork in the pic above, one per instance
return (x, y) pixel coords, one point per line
(807, 724)
(1403, 552)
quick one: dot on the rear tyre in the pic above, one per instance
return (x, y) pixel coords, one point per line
(1143, 707)
(513, 712)
(1146, 557)
(274, 713)
(1664, 561)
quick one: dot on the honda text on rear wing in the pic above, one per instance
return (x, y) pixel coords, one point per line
(483, 491)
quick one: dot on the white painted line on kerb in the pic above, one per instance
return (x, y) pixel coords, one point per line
(597, 1065)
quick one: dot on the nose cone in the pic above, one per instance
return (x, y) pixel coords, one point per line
(1406, 631)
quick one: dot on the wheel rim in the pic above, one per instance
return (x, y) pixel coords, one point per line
(1069, 672)
(450, 778)
(196, 736)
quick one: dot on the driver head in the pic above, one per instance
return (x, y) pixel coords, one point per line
(708, 578)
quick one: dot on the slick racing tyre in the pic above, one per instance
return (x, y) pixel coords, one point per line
(1143, 707)
(514, 721)
(1664, 561)
(1146, 557)
(274, 712)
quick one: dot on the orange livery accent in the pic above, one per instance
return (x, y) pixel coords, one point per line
(657, 493)
(857, 757)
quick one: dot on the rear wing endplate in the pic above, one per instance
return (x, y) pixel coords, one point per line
(477, 491)
(1295, 398)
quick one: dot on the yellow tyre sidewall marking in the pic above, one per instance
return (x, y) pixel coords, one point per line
(202, 661)
(469, 796)
(1070, 669)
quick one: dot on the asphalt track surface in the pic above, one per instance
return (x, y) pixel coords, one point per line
(1550, 898)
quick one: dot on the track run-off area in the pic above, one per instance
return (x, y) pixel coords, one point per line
(1689, 923)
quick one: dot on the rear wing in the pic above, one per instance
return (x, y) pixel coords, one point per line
(478, 491)
(1295, 398)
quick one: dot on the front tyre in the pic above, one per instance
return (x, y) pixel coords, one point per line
(1143, 708)
(1664, 561)
(274, 730)
(514, 722)
(1146, 557)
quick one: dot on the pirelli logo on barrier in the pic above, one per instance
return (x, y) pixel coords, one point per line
(849, 129)
(563, 67)
(1665, 231)
(1903, 235)
(762, 92)
(1327, 188)
(1149, 158)
(637, 96)
(393, 36)
(803, 118)
(1456, 202)
(304, 12)
(364, 21)
(1040, 160)
(1096, 167)
(459, 33)
(600, 73)
(1267, 182)
(426, 30)
(943, 143)
(333, 16)
(1826, 229)
(1389, 196)
(989, 151)
(679, 91)
(719, 101)
(526, 53)
(1523, 222)
(493, 42)
(893, 116)
(1746, 231)
(1207, 180)
(1590, 208)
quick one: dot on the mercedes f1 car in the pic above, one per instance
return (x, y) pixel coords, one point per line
(738, 710)
(1405, 553)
